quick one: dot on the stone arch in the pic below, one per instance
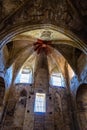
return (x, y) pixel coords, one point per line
(26, 27)
(81, 101)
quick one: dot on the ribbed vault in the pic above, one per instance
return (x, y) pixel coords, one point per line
(23, 50)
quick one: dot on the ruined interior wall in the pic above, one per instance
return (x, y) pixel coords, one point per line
(14, 109)
(5, 73)
(61, 110)
(19, 111)
(2, 66)
(82, 68)
(75, 82)
(4, 81)
(9, 74)
(81, 76)
(81, 101)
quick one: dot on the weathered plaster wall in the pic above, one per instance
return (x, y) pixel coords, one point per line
(81, 76)
(75, 83)
(9, 73)
(2, 93)
(19, 111)
(2, 67)
(5, 73)
(81, 101)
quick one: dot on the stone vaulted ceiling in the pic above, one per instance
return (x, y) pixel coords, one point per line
(66, 13)
(24, 49)
(63, 23)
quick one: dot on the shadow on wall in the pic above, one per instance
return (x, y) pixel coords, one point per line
(2, 94)
(81, 100)
(20, 108)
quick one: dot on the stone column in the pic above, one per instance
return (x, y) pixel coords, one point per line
(41, 74)
(33, 120)
(44, 120)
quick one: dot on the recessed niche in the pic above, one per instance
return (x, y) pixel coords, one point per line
(28, 111)
(29, 96)
(50, 112)
(50, 98)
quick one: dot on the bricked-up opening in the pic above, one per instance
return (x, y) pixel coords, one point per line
(40, 103)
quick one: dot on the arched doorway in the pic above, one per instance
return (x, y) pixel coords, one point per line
(81, 100)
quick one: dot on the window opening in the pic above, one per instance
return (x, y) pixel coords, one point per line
(57, 79)
(26, 76)
(40, 102)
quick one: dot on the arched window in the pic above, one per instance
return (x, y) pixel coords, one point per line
(40, 102)
(57, 80)
(24, 76)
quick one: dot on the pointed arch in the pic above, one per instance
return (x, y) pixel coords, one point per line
(26, 27)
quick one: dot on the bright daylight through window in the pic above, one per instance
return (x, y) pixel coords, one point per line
(26, 76)
(57, 80)
(40, 102)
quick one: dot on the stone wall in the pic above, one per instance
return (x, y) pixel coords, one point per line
(81, 101)
(81, 76)
(75, 83)
(19, 111)
(5, 73)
